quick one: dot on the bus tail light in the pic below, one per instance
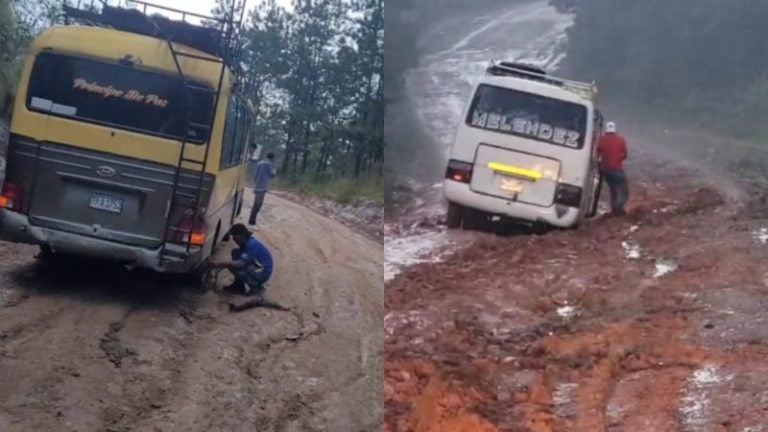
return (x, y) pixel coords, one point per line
(188, 231)
(10, 197)
(568, 195)
(459, 171)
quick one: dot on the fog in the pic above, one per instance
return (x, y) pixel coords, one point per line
(434, 55)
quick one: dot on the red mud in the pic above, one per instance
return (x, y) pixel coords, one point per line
(475, 343)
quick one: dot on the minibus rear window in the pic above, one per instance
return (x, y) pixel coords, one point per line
(118, 95)
(528, 115)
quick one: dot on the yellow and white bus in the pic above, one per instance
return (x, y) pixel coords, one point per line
(525, 151)
(127, 140)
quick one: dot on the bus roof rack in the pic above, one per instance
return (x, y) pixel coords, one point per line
(534, 73)
(523, 67)
(221, 39)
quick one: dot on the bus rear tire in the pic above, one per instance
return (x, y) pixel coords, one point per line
(542, 228)
(45, 253)
(200, 279)
(455, 216)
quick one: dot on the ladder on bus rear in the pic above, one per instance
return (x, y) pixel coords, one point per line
(186, 166)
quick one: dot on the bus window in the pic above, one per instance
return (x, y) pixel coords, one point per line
(119, 96)
(236, 127)
(528, 115)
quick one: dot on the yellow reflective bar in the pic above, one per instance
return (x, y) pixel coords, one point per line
(509, 169)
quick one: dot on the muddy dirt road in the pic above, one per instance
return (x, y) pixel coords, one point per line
(85, 346)
(654, 322)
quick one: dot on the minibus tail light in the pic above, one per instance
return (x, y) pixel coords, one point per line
(459, 171)
(568, 195)
(190, 232)
(10, 197)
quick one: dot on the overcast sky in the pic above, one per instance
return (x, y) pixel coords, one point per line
(204, 6)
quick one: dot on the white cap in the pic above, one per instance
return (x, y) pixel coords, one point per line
(610, 127)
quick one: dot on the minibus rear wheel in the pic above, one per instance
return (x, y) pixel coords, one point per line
(201, 279)
(45, 253)
(455, 216)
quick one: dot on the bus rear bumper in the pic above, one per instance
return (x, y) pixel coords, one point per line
(555, 215)
(16, 227)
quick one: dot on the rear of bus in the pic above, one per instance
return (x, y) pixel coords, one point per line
(524, 151)
(95, 140)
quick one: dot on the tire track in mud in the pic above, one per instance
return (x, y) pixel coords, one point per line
(55, 325)
(79, 326)
(295, 409)
(336, 294)
(152, 401)
(110, 343)
(142, 393)
(111, 346)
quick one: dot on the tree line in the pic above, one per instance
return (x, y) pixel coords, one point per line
(20, 21)
(704, 61)
(316, 75)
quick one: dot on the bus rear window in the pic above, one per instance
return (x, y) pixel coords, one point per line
(118, 96)
(528, 115)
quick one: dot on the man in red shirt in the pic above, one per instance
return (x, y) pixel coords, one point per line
(612, 149)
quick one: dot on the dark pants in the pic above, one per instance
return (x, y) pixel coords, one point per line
(250, 274)
(258, 201)
(619, 187)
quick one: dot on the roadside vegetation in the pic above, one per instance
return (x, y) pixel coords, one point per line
(316, 74)
(20, 21)
(341, 190)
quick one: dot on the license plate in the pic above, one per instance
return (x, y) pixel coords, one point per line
(511, 185)
(107, 203)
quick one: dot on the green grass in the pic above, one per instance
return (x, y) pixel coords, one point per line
(341, 190)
